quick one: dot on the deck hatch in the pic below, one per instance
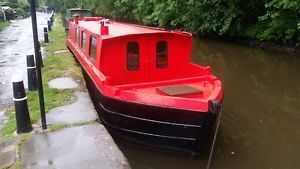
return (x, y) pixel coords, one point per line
(176, 90)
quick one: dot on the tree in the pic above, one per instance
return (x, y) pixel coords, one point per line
(282, 21)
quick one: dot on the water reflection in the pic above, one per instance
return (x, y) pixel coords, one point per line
(262, 89)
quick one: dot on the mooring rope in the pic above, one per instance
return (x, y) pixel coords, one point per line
(214, 139)
(232, 117)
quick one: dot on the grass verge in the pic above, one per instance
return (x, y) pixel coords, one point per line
(55, 66)
(3, 25)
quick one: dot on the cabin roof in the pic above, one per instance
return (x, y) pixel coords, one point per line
(117, 29)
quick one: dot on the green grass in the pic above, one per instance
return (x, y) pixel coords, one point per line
(57, 36)
(56, 127)
(3, 25)
(55, 65)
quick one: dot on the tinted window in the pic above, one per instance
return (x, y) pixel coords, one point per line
(77, 36)
(83, 41)
(133, 56)
(161, 54)
(93, 48)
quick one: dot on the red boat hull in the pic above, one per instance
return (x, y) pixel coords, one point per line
(184, 131)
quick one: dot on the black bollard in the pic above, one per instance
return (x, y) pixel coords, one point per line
(51, 20)
(40, 57)
(46, 37)
(21, 107)
(49, 26)
(31, 73)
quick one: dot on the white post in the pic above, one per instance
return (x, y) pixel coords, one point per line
(4, 16)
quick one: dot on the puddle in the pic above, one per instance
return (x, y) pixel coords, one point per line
(63, 83)
(3, 73)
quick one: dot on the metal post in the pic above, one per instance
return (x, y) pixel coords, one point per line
(49, 26)
(46, 38)
(31, 73)
(52, 19)
(52, 16)
(21, 107)
(38, 64)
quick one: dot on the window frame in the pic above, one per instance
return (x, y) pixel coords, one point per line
(90, 48)
(77, 36)
(163, 55)
(130, 56)
(83, 46)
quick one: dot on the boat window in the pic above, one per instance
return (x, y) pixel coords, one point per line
(161, 54)
(133, 56)
(83, 41)
(77, 36)
(93, 48)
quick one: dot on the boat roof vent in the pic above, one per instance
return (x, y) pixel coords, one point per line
(104, 28)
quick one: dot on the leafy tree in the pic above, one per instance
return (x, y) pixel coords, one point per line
(265, 20)
(281, 21)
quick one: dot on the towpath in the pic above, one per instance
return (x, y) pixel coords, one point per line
(15, 43)
(75, 138)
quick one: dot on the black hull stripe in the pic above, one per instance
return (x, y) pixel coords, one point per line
(149, 120)
(147, 134)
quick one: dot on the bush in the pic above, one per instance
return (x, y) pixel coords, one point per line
(23, 8)
(264, 20)
(20, 12)
(1, 16)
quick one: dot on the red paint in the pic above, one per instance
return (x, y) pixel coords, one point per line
(76, 20)
(104, 30)
(109, 71)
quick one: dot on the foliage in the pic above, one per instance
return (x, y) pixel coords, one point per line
(282, 21)
(3, 24)
(264, 20)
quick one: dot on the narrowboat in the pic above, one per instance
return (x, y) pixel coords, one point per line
(143, 85)
(76, 12)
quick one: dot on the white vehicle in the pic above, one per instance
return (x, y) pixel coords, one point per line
(8, 12)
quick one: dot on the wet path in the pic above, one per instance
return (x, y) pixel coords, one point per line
(15, 43)
(262, 90)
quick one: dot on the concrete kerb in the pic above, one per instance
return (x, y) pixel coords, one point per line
(88, 146)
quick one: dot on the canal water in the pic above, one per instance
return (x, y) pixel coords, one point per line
(262, 93)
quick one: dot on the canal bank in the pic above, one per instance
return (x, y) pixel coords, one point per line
(74, 138)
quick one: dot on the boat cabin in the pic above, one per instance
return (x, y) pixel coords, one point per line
(130, 54)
